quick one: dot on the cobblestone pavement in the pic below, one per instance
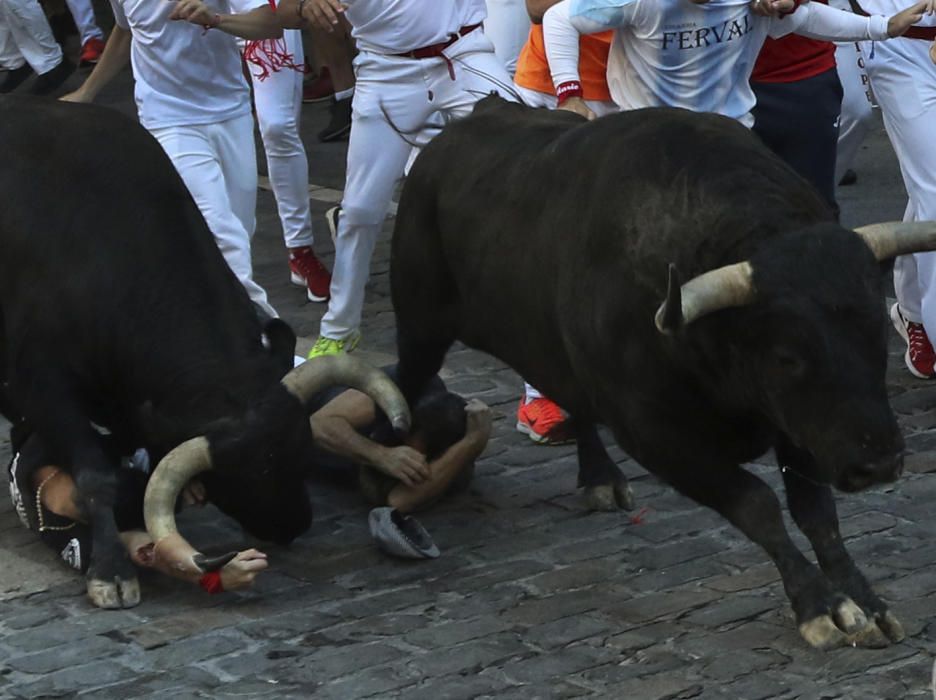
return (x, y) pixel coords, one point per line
(532, 598)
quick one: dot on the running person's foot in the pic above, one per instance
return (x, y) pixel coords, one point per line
(325, 346)
(543, 422)
(920, 356)
(340, 124)
(306, 270)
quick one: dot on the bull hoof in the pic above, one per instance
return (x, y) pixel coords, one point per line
(821, 633)
(114, 595)
(601, 498)
(849, 626)
(624, 495)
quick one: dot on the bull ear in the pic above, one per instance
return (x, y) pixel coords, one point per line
(280, 340)
(669, 318)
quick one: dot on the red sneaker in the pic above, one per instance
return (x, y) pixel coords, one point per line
(920, 356)
(320, 89)
(91, 51)
(543, 422)
(305, 270)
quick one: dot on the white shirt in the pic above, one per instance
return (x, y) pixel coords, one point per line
(184, 75)
(398, 26)
(678, 54)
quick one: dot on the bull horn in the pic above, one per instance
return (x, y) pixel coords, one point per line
(888, 240)
(723, 288)
(312, 376)
(172, 473)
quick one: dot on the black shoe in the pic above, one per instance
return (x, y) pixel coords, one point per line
(53, 79)
(340, 123)
(11, 79)
(849, 178)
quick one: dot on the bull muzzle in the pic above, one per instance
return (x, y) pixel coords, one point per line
(862, 476)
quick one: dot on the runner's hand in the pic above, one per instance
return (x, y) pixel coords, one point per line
(479, 420)
(903, 20)
(406, 464)
(241, 571)
(323, 14)
(933, 52)
(772, 8)
(577, 105)
(194, 11)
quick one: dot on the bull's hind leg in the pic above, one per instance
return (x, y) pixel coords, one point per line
(52, 408)
(606, 487)
(813, 508)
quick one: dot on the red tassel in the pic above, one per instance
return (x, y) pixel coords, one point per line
(270, 55)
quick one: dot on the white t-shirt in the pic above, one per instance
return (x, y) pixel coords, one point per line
(184, 75)
(679, 54)
(398, 26)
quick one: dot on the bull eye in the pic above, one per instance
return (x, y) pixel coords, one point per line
(788, 363)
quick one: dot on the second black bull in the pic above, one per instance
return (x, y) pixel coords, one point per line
(557, 246)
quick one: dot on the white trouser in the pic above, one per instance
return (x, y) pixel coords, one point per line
(904, 82)
(395, 100)
(83, 14)
(507, 25)
(278, 99)
(219, 166)
(534, 98)
(25, 37)
(856, 119)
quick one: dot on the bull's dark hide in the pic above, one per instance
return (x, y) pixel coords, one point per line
(545, 241)
(116, 307)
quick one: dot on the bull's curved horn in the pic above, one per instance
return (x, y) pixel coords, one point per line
(723, 288)
(171, 475)
(314, 375)
(888, 240)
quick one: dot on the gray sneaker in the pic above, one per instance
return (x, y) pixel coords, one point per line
(401, 535)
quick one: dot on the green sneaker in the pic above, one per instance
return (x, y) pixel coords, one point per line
(331, 346)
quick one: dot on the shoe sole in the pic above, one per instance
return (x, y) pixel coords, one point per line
(300, 282)
(316, 100)
(334, 136)
(540, 439)
(902, 332)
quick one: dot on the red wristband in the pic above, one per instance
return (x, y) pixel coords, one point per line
(211, 582)
(570, 88)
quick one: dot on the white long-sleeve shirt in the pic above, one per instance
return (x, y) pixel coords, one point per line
(678, 54)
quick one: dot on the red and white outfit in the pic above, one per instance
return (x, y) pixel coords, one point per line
(400, 101)
(192, 97)
(904, 80)
(276, 68)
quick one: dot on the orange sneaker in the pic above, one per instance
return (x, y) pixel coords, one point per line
(543, 422)
(306, 270)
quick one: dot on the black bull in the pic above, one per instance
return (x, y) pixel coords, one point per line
(117, 308)
(546, 242)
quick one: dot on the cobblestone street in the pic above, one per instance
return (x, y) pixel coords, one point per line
(533, 597)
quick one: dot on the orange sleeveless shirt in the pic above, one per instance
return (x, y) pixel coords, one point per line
(533, 68)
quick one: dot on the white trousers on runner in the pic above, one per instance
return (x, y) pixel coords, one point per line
(25, 37)
(83, 14)
(507, 25)
(904, 80)
(218, 164)
(278, 99)
(396, 102)
(857, 118)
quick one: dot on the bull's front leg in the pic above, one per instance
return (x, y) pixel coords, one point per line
(813, 508)
(751, 505)
(606, 487)
(55, 413)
